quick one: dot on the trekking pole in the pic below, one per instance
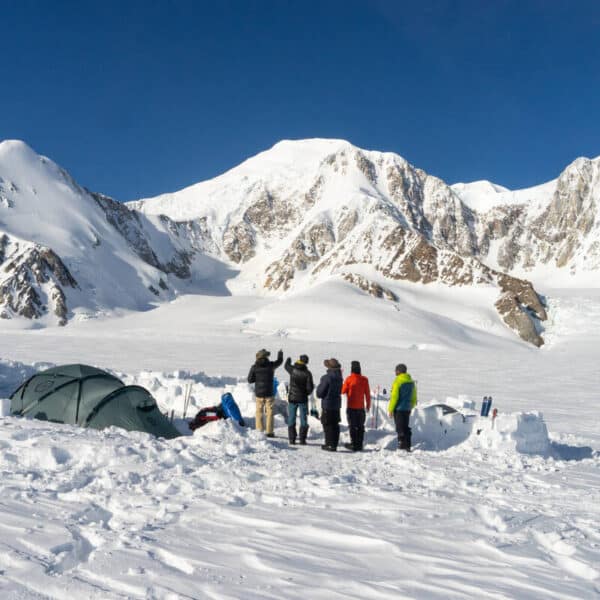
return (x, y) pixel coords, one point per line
(377, 407)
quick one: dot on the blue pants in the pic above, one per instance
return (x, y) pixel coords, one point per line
(292, 408)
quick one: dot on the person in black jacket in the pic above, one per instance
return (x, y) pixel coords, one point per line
(301, 387)
(330, 392)
(261, 375)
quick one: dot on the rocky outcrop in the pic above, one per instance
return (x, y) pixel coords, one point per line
(268, 212)
(239, 242)
(308, 248)
(366, 167)
(521, 308)
(371, 287)
(130, 224)
(518, 319)
(33, 278)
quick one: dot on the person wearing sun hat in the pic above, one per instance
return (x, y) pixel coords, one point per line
(329, 391)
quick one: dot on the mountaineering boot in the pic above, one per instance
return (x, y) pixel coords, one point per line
(292, 434)
(360, 442)
(349, 446)
(328, 448)
(303, 434)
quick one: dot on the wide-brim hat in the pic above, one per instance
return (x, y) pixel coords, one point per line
(263, 353)
(332, 363)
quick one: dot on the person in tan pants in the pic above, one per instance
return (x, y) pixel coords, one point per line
(261, 375)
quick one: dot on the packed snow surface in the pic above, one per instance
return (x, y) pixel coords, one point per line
(504, 508)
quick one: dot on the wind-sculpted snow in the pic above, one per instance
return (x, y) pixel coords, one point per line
(227, 513)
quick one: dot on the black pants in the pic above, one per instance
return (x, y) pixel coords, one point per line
(356, 425)
(330, 419)
(402, 418)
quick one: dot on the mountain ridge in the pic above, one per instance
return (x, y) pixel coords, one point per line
(291, 217)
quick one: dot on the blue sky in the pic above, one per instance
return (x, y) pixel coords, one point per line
(138, 98)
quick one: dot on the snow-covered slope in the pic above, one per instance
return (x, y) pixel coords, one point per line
(64, 250)
(482, 196)
(287, 221)
(305, 211)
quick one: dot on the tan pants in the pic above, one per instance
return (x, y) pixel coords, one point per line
(265, 404)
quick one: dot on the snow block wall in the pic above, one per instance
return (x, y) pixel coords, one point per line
(523, 432)
(434, 428)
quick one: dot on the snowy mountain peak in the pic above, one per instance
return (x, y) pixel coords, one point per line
(16, 147)
(288, 220)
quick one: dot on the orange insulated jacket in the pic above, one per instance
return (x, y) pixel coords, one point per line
(356, 388)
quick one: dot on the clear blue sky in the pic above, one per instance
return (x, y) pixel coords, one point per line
(136, 98)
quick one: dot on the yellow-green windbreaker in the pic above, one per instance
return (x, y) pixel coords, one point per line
(404, 393)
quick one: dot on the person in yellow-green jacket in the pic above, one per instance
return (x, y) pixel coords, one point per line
(403, 398)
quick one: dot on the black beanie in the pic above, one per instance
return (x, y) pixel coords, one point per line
(355, 367)
(304, 358)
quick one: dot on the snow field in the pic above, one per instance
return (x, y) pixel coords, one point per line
(227, 513)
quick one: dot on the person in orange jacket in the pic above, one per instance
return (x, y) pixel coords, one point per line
(356, 388)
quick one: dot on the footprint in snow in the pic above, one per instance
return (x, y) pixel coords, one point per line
(71, 554)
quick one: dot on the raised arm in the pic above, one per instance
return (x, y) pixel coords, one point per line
(277, 363)
(288, 365)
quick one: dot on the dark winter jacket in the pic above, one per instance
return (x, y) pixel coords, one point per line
(330, 390)
(301, 382)
(261, 374)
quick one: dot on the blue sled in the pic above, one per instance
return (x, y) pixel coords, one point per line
(231, 409)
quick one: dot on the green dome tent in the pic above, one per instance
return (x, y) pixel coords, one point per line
(90, 397)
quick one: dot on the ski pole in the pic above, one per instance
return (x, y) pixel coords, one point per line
(186, 398)
(377, 407)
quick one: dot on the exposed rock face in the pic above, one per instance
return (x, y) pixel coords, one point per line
(564, 234)
(33, 278)
(516, 317)
(366, 167)
(371, 287)
(521, 308)
(239, 242)
(571, 215)
(130, 225)
(308, 248)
